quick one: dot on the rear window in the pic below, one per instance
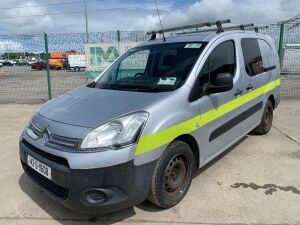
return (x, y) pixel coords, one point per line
(252, 56)
(268, 53)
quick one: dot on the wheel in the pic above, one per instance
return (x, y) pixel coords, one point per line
(76, 69)
(172, 176)
(266, 121)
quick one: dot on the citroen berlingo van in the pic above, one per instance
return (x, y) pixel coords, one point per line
(159, 112)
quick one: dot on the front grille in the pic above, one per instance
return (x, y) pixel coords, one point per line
(71, 143)
(57, 190)
(46, 155)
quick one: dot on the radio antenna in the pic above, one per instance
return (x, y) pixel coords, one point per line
(164, 38)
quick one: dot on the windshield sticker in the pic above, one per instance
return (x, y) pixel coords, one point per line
(167, 81)
(193, 45)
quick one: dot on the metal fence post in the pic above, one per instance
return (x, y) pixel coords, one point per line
(47, 66)
(118, 35)
(281, 40)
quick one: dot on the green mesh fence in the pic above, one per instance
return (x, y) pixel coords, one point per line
(22, 80)
(18, 82)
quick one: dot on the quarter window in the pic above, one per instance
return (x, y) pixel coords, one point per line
(252, 56)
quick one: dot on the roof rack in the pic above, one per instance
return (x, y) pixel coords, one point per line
(257, 28)
(207, 24)
(229, 28)
(249, 26)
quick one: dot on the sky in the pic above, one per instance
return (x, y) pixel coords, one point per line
(67, 16)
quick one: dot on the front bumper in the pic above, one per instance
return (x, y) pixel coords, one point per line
(120, 186)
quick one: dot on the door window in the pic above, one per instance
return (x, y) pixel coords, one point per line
(252, 56)
(221, 60)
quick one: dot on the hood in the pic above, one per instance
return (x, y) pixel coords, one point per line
(90, 107)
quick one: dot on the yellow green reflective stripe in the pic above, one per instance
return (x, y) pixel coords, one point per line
(152, 141)
(219, 111)
(160, 138)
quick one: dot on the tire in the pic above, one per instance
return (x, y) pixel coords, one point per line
(77, 69)
(172, 175)
(266, 121)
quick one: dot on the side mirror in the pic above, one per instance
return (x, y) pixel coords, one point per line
(221, 83)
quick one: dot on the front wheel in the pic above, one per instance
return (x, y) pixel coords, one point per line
(266, 121)
(172, 175)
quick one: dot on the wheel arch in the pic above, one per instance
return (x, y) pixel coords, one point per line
(271, 98)
(191, 141)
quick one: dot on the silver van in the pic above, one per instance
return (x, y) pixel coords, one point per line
(162, 110)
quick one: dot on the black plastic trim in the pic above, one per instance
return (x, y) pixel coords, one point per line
(123, 185)
(57, 190)
(46, 155)
(267, 69)
(235, 121)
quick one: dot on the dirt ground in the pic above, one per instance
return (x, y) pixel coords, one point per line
(257, 181)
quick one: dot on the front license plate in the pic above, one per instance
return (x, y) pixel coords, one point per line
(39, 167)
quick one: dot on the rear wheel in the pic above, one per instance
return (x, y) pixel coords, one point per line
(266, 121)
(172, 175)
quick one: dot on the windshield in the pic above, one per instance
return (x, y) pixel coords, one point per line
(152, 68)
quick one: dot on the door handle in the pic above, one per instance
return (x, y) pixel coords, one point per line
(249, 87)
(238, 92)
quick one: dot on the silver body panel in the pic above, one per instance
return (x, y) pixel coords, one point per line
(77, 112)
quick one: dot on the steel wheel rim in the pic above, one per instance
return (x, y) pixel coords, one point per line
(177, 175)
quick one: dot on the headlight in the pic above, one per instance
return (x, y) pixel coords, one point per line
(116, 133)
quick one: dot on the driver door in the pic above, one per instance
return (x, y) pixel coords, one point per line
(219, 119)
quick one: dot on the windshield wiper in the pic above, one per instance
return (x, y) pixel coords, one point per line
(153, 89)
(92, 84)
(137, 88)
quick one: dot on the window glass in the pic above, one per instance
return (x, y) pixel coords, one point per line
(252, 56)
(133, 65)
(267, 53)
(221, 60)
(152, 68)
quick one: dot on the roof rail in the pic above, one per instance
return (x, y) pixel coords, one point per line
(249, 26)
(237, 27)
(207, 24)
(257, 28)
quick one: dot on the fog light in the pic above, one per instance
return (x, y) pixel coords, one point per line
(95, 196)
